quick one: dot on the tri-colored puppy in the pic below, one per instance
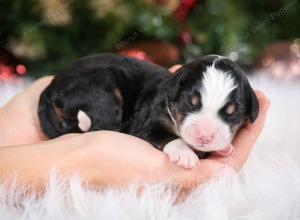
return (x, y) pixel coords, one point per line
(199, 108)
(98, 92)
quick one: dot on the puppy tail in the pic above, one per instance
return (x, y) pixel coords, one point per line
(50, 116)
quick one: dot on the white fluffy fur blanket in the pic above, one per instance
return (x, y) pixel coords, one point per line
(268, 187)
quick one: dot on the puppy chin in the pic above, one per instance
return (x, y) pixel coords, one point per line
(215, 146)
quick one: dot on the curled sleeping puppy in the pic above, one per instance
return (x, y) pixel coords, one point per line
(198, 109)
(98, 92)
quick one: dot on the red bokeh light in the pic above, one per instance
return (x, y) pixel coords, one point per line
(21, 69)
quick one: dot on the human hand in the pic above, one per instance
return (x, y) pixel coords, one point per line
(19, 123)
(142, 162)
(147, 163)
(109, 158)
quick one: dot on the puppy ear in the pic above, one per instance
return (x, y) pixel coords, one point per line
(252, 106)
(84, 121)
(173, 85)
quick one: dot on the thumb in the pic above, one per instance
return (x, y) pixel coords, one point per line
(191, 178)
(247, 136)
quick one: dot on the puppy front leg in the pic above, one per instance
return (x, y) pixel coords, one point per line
(177, 150)
(181, 154)
(155, 134)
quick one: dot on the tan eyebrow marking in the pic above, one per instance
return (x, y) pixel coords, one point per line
(195, 100)
(230, 109)
(58, 112)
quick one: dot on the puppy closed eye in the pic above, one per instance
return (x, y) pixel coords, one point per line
(230, 109)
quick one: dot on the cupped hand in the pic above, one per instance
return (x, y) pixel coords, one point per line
(150, 164)
(103, 158)
(19, 122)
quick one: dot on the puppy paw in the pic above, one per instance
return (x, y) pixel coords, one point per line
(180, 153)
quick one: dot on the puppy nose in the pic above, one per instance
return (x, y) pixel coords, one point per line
(205, 138)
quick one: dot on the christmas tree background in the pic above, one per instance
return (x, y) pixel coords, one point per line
(44, 35)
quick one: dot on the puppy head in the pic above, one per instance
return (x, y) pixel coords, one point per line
(208, 100)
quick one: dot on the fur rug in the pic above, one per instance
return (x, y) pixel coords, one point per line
(268, 186)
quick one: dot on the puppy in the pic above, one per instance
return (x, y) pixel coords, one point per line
(199, 109)
(97, 92)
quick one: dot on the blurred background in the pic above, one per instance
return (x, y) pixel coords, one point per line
(38, 37)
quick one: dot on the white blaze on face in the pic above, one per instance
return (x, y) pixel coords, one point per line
(205, 130)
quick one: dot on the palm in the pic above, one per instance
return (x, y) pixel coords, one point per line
(20, 120)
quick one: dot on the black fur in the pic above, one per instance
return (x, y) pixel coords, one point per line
(89, 83)
(175, 94)
(147, 90)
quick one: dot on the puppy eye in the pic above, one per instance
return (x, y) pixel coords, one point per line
(195, 100)
(230, 109)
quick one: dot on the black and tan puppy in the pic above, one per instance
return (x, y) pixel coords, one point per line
(97, 92)
(199, 108)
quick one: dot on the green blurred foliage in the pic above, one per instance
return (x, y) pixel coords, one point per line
(217, 26)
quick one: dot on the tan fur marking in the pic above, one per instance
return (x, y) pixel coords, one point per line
(169, 125)
(177, 114)
(230, 109)
(177, 117)
(117, 92)
(58, 112)
(195, 100)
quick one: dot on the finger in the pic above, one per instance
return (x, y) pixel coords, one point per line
(188, 179)
(250, 132)
(247, 136)
(206, 171)
(40, 84)
(174, 68)
(264, 104)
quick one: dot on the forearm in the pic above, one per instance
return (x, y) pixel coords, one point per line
(19, 124)
(31, 164)
(100, 158)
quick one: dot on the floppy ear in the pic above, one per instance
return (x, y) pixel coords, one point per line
(173, 84)
(252, 106)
